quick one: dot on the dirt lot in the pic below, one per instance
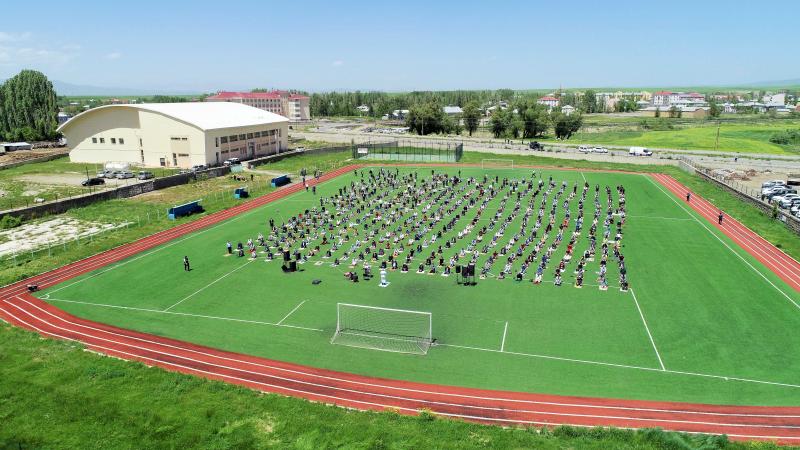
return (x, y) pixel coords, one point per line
(69, 179)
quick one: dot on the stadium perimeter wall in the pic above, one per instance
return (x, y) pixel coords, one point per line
(63, 205)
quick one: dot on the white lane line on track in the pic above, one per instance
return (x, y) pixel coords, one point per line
(362, 383)
(781, 262)
(208, 285)
(657, 185)
(372, 394)
(652, 341)
(505, 331)
(201, 316)
(291, 312)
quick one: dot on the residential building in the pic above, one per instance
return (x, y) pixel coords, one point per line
(295, 107)
(567, 109)
(549, 101)
(668, 98)
(174, 134)
(452, 110)
(686, 111)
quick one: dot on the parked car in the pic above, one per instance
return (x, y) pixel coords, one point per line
(124, 175)
(145, 175)
(199, 167)
(584, 149)
(600, 150)
(779, 191)
(639, 151)
(232, 161)
(535, 146)
(772, 183)
(776, 189)
(93, 182)
(785, 201)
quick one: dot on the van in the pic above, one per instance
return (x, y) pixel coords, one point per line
(640, 151)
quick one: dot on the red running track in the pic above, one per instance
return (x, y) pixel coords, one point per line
(780, 424)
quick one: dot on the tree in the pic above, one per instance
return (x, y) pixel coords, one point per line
(498, 122)
(658, 112)
(713, 109)
(565, 126)
(427, 118)
(674, 112)
(589, 102)
(28, 107)
(472, 117)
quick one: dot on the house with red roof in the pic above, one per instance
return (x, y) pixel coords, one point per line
(549, 101)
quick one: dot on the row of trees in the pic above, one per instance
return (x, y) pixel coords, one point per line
(28, 108)
(530, 120)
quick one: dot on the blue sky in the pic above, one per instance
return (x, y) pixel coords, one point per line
(396, 46)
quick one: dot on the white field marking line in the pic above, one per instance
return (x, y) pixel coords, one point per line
(623, 366)
(416, 400)
(652, 341)
(751, 240)
(111, 352)
(658, 218)
(208, 285)
(503, 344)
(583, 176)
(291, 312)
(386, 386)
(130, 252)
(201, 316)
(723, 242)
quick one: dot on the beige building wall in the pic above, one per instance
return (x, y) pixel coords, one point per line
(151, 139)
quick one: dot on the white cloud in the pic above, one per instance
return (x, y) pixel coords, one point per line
(114, 55)
(337, 63)
(14, 37)
(21, 50)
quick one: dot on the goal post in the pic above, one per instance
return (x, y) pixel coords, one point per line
(497, 163)
(386, 329)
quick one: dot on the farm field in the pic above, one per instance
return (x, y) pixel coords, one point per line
(698, 324)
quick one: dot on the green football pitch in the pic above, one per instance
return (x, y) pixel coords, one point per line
(702, 321)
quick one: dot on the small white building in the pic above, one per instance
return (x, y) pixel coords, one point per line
(174, 134)
(567, 109)
(549, 101)
(452, 110)
(363, 109)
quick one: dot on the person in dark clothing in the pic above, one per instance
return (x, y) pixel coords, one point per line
(186, 266)
(688, 196)
(720, 217)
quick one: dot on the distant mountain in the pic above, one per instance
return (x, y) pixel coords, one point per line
(78, 90)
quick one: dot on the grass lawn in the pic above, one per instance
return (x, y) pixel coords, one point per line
(709, 313)
(54, 395)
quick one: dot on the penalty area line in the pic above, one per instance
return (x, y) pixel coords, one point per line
(647, 328)
(175, 313)
(505, 332)
(291, 312)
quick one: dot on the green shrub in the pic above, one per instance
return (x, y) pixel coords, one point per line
(8, 222)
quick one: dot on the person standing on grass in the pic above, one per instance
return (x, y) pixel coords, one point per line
(688, 197)
(720, 217)
(186, 266)
(229, 246)
(314, 189)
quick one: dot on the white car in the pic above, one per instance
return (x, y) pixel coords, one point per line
(772, 183)
(124, 175)
(787, 200)
(600, 150)
(584, 149)
(639, 151)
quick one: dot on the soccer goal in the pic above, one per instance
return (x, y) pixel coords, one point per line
(391, 330)
(497, 163)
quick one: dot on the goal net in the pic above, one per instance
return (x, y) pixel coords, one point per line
(497, 163)
(391, 330)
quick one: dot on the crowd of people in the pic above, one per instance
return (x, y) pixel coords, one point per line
(434, 224)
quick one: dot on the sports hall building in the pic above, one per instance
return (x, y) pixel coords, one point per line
(174, 134)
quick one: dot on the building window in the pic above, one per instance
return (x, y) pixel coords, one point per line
(140, 142)
(242, 137)
(163, 162)
(224, 139)
(216, 142)
(121, 141)
(233, 138)
(257, 134)
(94, 140)
(102, 140)
(113, 140)
(249, 135)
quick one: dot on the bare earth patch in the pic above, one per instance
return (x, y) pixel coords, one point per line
(32, 236)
